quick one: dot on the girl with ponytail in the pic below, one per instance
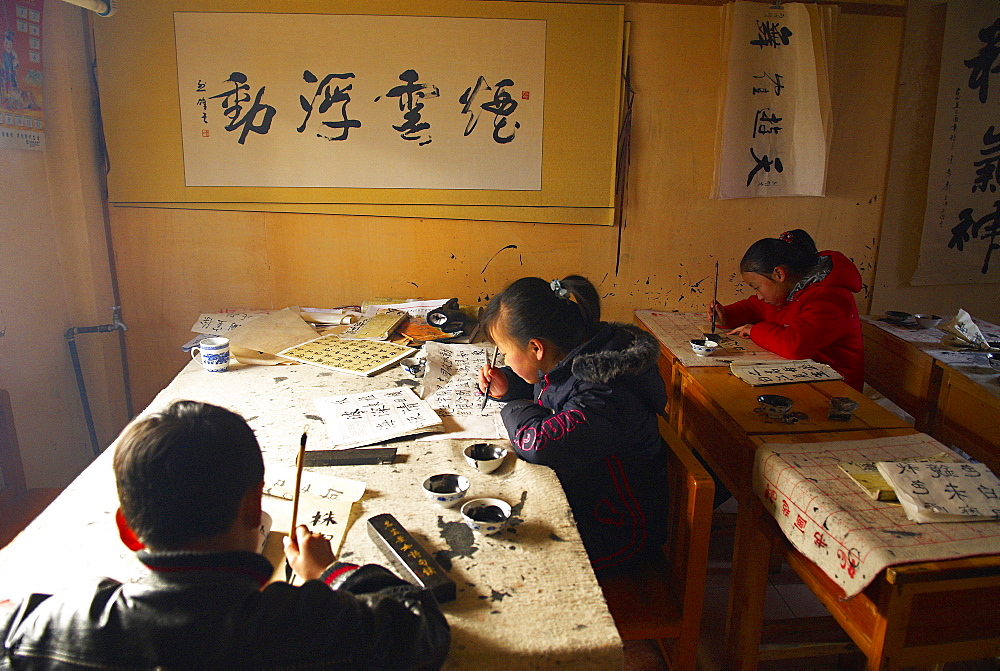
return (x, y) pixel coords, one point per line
(582, 397)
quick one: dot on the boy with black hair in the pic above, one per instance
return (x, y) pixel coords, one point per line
(189, 482)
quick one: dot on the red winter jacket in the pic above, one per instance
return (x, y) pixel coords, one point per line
(820, 322)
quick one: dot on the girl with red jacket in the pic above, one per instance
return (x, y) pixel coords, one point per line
(804, 307)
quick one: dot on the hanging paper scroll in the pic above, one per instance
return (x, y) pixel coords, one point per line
(21, 125)
(773, 126)
(961, 237)
(412, 102)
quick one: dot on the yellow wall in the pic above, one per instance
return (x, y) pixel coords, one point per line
(54, 272)
(672, 235)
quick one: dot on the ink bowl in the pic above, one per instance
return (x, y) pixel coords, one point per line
(927, 321)
(446, 489)
(486, 516)
(993, 359)
(774, 406)
(485, 457)
(413, 366)
(704, 347)
(897, 316)
(842, 408)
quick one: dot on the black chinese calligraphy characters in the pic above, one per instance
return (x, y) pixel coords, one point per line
(501, 106)
(233, 101)
(771, 34)
(411, 94)
(763, 163)
(773, 81)
(969, 228)
(987, 176)
(331, 95)
(982, 64)
(764, 123)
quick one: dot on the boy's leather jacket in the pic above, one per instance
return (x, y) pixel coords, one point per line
(207, 610)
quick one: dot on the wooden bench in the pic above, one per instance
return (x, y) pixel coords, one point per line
(18, 504)
(663, 602)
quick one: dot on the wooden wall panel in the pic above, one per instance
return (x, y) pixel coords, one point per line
(672, 233)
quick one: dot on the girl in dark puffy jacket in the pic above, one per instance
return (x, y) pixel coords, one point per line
(804, 307)
(582, 398)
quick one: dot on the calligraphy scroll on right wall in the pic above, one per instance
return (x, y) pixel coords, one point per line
(774, 123)
(961, 237)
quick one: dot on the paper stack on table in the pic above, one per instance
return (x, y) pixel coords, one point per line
(935, 492)
(353, 420)
(762, 373)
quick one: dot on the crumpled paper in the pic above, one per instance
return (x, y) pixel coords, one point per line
(962, 333)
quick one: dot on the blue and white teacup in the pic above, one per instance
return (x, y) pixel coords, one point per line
(214, 354)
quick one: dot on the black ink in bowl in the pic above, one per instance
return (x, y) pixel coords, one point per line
(488, 514)
(444, 484)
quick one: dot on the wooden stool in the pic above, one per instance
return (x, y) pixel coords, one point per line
(663, 602)
(18, 505)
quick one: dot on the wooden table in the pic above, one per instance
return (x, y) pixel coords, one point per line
(912, 614)
(527, 597)
(713, 412)
(954, 396)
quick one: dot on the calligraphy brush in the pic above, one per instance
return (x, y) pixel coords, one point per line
(715, 294)
(299, 462)
(486, 395)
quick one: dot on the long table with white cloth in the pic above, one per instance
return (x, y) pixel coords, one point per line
(527, 597)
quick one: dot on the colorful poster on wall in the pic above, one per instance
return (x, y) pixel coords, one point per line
(961, 238)
(21, 125)
(773, 126)
(323, 100)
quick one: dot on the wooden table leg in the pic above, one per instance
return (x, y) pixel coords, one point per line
(745, 615)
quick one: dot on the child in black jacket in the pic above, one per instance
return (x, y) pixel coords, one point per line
(189, 482)
(582, 398)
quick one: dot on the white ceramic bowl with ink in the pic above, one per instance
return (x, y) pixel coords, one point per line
(486, 516)
(775, 406)
(704, 347)
(485, 457)
(446, 489)
(927, 321)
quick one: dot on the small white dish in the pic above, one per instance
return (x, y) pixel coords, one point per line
(485, 457)
(927, 321)
(446, 489)
(486, 516)
(704, 347)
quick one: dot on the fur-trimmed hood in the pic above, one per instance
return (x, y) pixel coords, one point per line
(617, 349)
(618, 354)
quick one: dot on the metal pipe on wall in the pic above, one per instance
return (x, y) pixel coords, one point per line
(116, 325)
(100, 7)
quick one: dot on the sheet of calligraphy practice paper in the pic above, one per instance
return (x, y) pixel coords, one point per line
(451, 386)
(360, 357)
(324, 503)
(759, 374)
(221, 323)
(675, 330)
(370, 417)
(273, 332)
(837, 526)
(944, 492)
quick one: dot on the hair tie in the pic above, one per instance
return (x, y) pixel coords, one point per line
(558, 290)
(788, 237)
